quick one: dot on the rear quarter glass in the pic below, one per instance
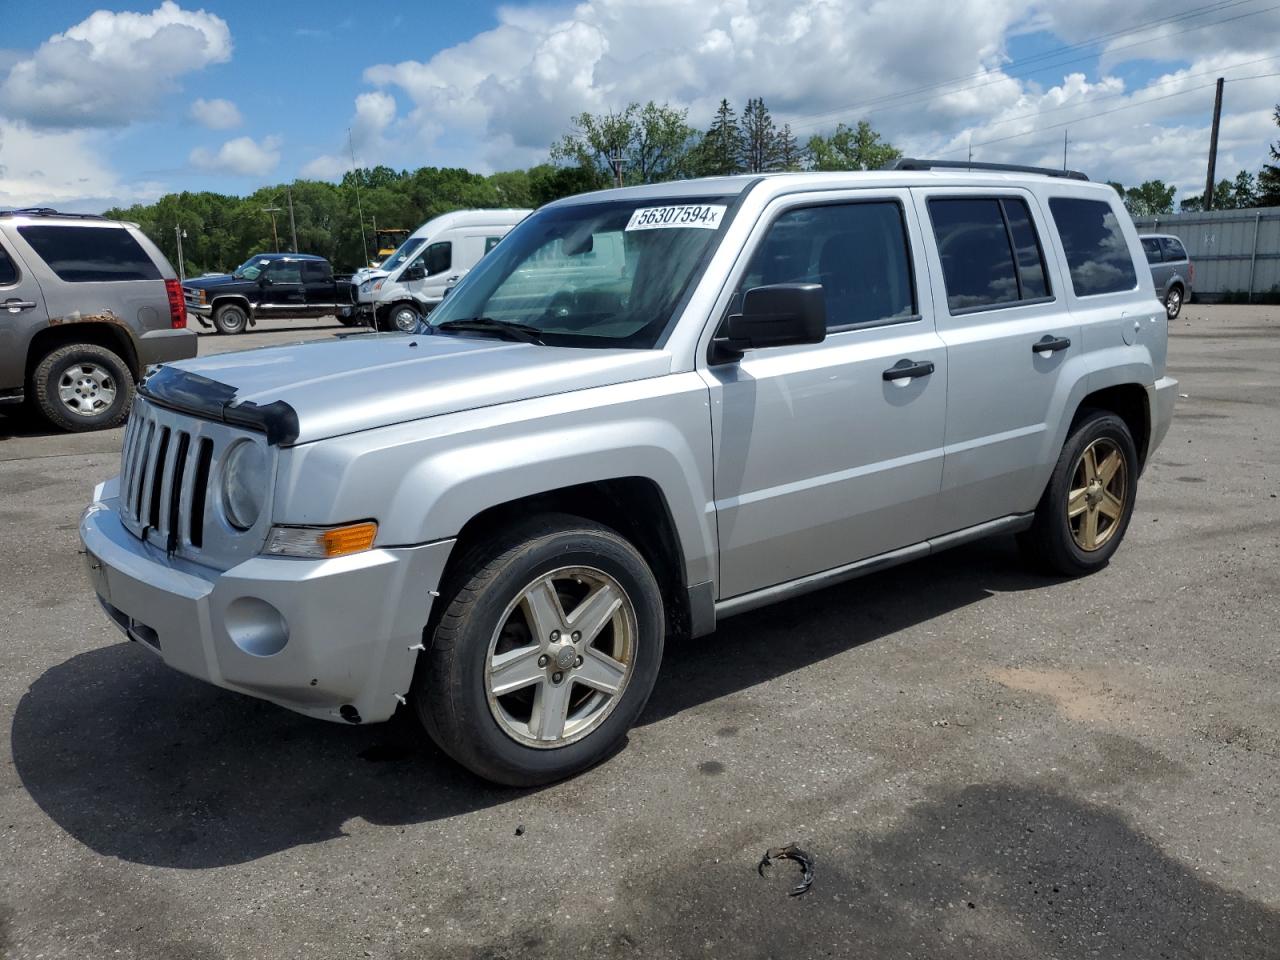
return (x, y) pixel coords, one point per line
(1095, 246)
(78, 254)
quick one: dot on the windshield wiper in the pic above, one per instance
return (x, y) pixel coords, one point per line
(519, 332)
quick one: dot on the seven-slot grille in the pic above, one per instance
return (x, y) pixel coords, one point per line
(164, 477)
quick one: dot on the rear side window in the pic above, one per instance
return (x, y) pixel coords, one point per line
(90, 254)
(1173, 249)
(490, 243)
(857, 251)
(1151, 247)
(8, 271)
(990, 251)
(314, 272)
(1095, 246)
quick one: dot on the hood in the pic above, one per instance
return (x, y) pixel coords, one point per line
(207, 283)
(325, 388)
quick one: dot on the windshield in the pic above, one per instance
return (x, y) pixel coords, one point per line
(251, 269)
(403, 254)
(595, 274)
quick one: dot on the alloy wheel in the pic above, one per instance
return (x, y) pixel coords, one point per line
(86, 389)
(1099, 494)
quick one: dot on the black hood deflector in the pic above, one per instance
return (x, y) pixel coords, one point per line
(202, 397)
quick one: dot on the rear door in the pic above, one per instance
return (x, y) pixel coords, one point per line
(822, 457)
(318, 289)
(22, 312)
(1008, 338)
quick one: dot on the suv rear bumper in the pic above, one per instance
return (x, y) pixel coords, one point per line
(164, 346)
(331, 639)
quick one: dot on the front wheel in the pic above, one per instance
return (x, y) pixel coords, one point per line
(403, 317)
(230, 318)
(546, 652)
(1086, 507)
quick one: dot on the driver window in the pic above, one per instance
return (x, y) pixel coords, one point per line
(857, 251)
(284, 271)
(437, 257)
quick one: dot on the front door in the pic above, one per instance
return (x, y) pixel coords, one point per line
(437, 261)
(822, 455)
(1003, 316)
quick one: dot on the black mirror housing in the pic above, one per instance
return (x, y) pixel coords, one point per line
(414, 271)
(775, 316)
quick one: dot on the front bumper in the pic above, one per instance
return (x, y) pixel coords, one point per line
(1163, 394)
(331, 639)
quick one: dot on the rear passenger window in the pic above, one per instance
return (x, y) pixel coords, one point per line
(1151, 247)
(314, 272)
(490, 243)
(8, 272)
(1096, 250)
(991, 254)
(89, 254)
(1173, 249)
(857, 251)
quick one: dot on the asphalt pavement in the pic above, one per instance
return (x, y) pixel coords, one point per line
(981, 761)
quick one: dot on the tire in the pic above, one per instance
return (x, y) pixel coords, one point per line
(83, 386)
(230, 318)
(500, 735)
(1173, 302)
(403, 317)
(1098, 512)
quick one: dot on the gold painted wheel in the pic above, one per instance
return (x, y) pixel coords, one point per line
(1099, 494)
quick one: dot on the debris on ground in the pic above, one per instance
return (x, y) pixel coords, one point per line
(519, 829)
(790, 852)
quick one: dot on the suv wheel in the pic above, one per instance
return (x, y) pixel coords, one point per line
(545, 654)
(1085, 510)
(83, 386)
(1173, 302)
(230, 318)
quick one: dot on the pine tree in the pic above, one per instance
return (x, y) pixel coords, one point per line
(719, 152)
(790, 156)
(759, 138)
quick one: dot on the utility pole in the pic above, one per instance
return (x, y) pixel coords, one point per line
(615, 161)
(293, 227)
(971, 151)
(1213, 148)
(275, 237)
(355, 176)
(1064, 150)
(178, 234)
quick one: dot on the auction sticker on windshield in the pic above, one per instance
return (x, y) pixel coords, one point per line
(706, 216)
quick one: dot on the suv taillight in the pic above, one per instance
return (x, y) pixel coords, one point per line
(1191, 273)
(177, 305)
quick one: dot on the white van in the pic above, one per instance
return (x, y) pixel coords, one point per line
(411, 281)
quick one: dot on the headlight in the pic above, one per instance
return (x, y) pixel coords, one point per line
(244, 484)
(366, 286)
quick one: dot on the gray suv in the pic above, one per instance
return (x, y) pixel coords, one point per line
(646, 411)
(1171, 270)
(86, 305)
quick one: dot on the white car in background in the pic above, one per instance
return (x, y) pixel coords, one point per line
(413, 280)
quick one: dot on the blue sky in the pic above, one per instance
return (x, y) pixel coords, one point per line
(102, 105)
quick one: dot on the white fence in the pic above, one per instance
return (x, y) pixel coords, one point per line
(1236, 252)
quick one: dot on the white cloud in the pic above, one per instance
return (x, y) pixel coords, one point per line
(62, 169)
(112, 68)
(374, 115)
(242, 156)
(215, 114)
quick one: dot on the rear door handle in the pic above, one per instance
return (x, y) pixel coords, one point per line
(13, 306)
(1048, 344)
(909, 370)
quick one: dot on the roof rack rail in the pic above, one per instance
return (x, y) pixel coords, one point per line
(48, 212)
(913, 163)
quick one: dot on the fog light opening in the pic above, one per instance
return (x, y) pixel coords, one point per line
(256, 627)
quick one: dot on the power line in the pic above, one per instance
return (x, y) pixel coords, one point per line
(909, 97)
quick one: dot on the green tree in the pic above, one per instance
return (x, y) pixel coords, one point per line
(719, 151)
(1154, 197)
(851, 148)
(790, 157)
(1269, 176)
(759, 139)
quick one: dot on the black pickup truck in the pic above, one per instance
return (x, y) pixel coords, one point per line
(280, 285)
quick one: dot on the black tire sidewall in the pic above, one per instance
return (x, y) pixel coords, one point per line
(49, 372)
(220, 324)
(1093, 426)
(468, 730)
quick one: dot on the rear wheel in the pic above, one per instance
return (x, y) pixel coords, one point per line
(1173, 302)
(230, 318)
(546, 653)
(1086, 507)
(83, 386)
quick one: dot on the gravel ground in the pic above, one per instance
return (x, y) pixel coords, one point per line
(980, 761)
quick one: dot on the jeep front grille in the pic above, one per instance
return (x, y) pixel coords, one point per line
(164, 472)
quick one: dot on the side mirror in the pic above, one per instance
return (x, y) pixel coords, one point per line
(415, 271)
(775, 316)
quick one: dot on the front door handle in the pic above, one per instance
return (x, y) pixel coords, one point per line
(13, 306)
(909, 370)
(1048, 344)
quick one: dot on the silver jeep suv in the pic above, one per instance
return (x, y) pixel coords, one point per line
(86, 305)
(646, 411)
